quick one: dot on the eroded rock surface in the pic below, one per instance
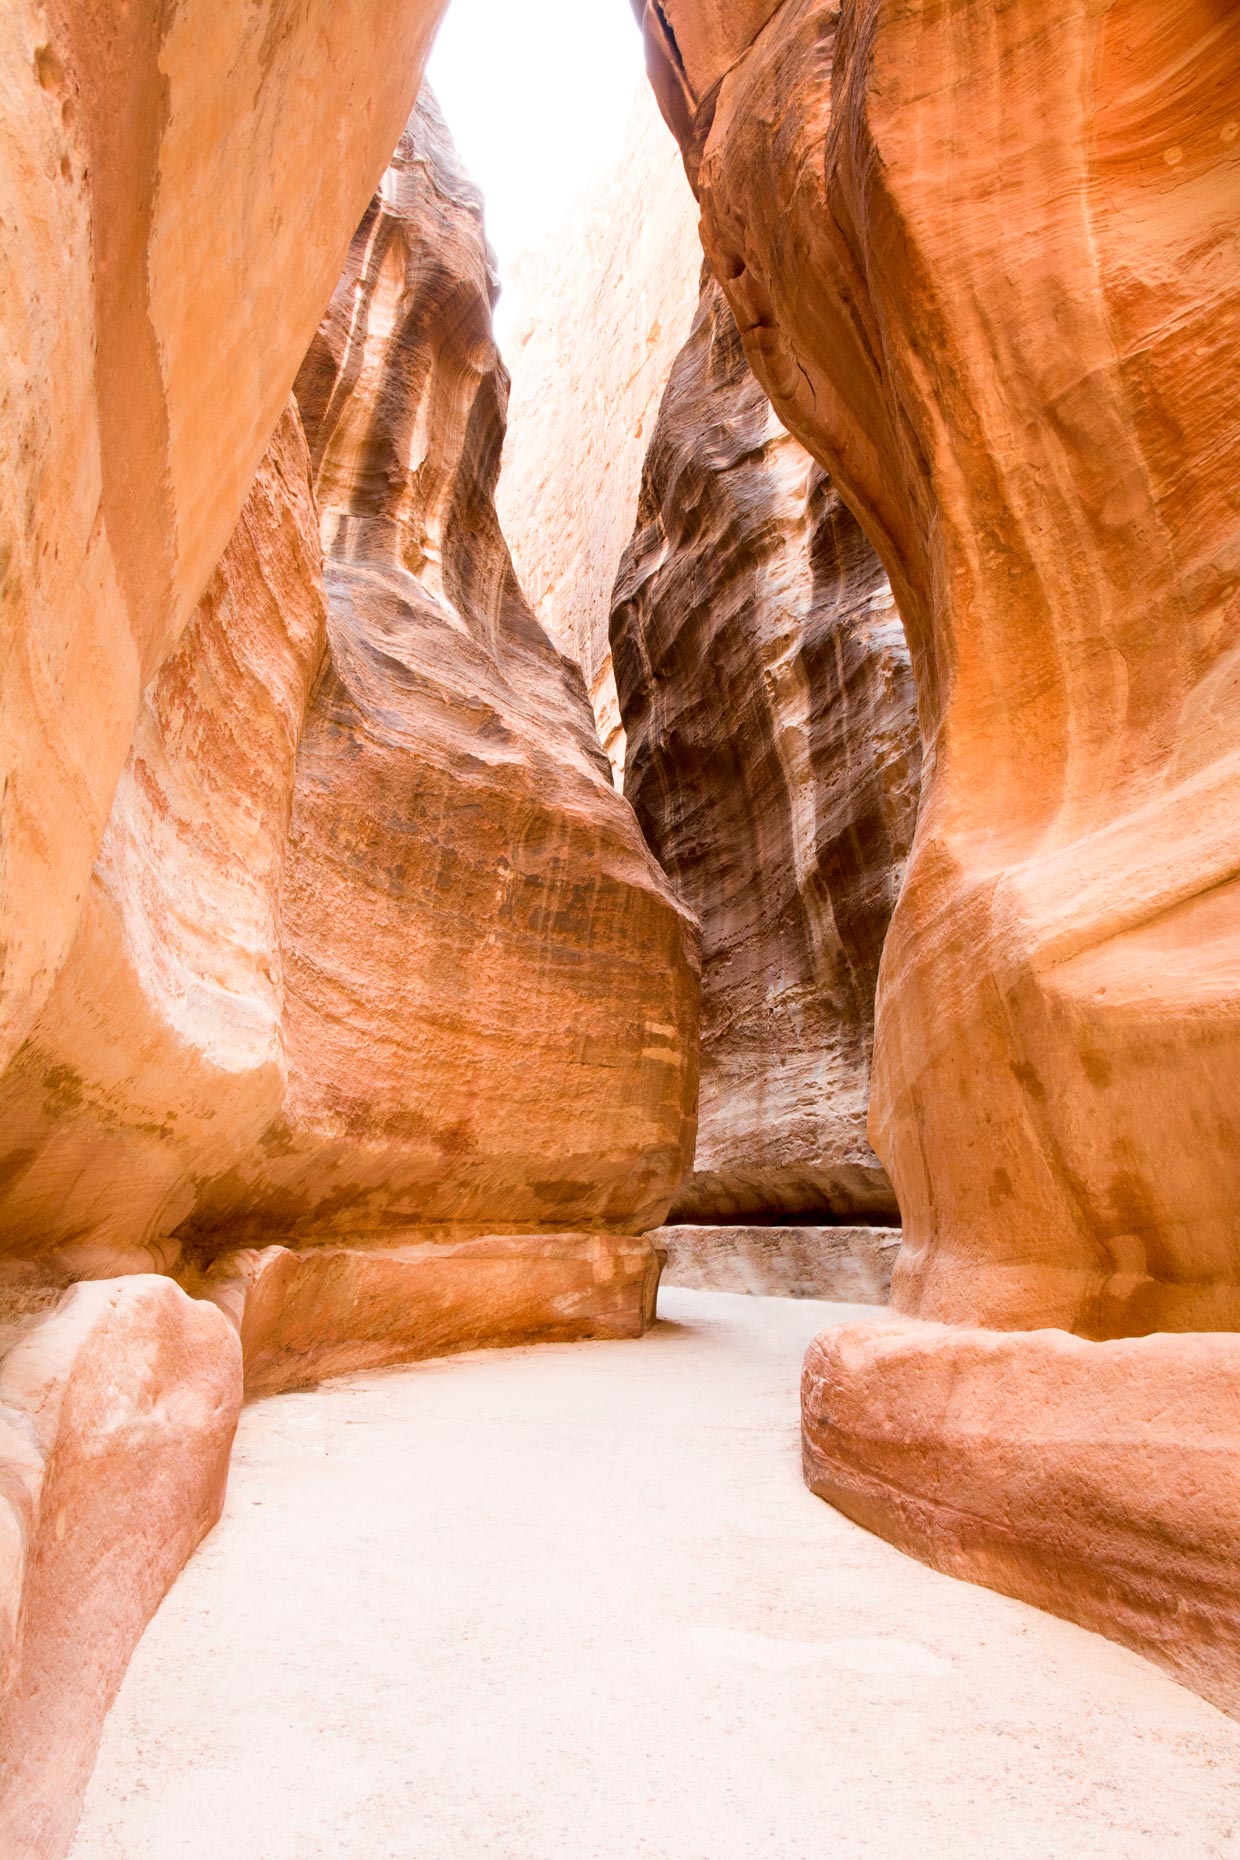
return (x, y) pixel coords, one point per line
(773, 763)
(117, 1413)
(178, 186)
(157, 1060)
(606, 311)
(371, 948)
(848, 1265)
(986, 264)
(1098, 1480)
(328, 1311)
(1000, 341)
(490, 991)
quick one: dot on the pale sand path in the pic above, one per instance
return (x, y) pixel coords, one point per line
(574, 1603)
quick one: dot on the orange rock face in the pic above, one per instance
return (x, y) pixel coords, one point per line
(773, 763)
(177, 191)
(329, 1311)
(117, 1413)
(490, 992)
(986, 264)
(1026, 297)
(1098, 1480)
(323, 919)
(157, 1060)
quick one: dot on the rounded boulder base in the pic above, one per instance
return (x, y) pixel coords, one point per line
(117, 1414)
(1100, 1481)
(330, 1311)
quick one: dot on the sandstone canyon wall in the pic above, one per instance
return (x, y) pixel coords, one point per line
(985, 262)
(773, 763)
(605, 312)
(372, 1031)
(177, 191)
(490, 999)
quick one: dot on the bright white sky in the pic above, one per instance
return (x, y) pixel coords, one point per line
(537, 94)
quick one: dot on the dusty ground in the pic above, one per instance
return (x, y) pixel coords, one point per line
(575, 1604)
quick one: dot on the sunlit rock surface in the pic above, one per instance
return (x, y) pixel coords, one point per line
(606, 310)
(178, 187)
(490, 991)
(986, 264)
(773, 760)
(157, 1060)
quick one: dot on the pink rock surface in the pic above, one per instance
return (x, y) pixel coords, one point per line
(986, 262)
(1099, 1480)
(158, 1058)
(988, 268)
(178, 186)
(327, 1311)
(491, 993)
(117, 1413)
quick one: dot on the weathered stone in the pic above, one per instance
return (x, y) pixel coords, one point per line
(986, 263)
(851, 1265)
(1099, 1480)
(117, 1413)
(987, 267)
(490, 991)
(773, 761)
(158, 1058)
(178, 186)
(328, 1311)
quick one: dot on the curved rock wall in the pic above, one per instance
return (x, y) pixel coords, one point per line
(986, 263)
(178, 186)
(1003, 375)
(490, 991)
(371, 950)
(773, 762)
(158, 1057)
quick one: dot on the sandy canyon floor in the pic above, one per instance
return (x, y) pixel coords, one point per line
(575, 1603)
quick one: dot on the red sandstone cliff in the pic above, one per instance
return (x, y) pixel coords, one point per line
(986, 263)
(773, 763)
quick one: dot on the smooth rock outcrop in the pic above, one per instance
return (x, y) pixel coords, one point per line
(157, 1060)
(117, 1413)
(328, 1311)
(773, 762)
(178, 186)
(607, 308)
(1099, 1480)
(986, 263)
(848, 1265)
(988, 268)
(490, 991)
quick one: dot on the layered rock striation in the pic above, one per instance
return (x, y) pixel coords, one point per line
(357, 1002)
(177, 191)
(773, 763)
(986, 266)
(490, 991)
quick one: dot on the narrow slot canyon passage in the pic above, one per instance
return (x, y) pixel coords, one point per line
(576, 1601)
(620, 930)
